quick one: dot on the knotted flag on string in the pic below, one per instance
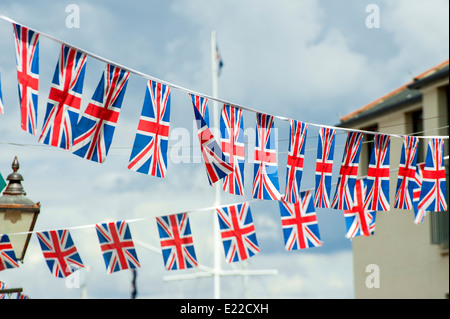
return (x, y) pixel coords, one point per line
(7, 255)
(177, 244)
(358, 220)
(299, 223)
(378, 175)
(64, 100)
(433, 194)
(324, 167)
(265, 177)
(296, 154)
(117, 246)
(95, 129)
(201, 104)
(238, 232)
(232, 141)
(149, 153)
(59, 252)
(406, 173)
(343, 198)
(27, 59)
(215, 162)
(419, 214)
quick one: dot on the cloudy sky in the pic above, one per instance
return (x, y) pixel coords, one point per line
(313, 61)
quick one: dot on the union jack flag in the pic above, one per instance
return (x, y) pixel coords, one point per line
(434, 190)
(406, 173)
(7, 256)
(177, 244)
(117, 246)
(265, 177)
(149, 153)
(27, 59)
(238, 232)
(419, 214)
(295, 158)
(215, 162)
(3, 286)
(358, 220)
(378, 175)
(343, 198)
(64, 100)
(96, 127)
(201, 104)
(22, 296)
(232, 140)
(59, 252)
(324, 167)
(299, 223)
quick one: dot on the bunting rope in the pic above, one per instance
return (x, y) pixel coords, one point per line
(197, 210)
(266, 185)
(189, 91)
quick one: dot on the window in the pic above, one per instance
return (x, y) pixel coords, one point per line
(417, 127)
(366, 148)
(440, 220)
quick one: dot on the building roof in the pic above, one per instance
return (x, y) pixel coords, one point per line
(404, 95)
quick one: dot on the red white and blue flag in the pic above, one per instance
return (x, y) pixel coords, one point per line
(3, 286)
(238, 232)
(64, 100)
(149, 153)
(117, 246)
(27, 58)
(95, 129)
(406, 174)
(21, 295)
(296, 154)
(378, 175)
(299, 223)
(59, 252)
(419, 214)
(433, 195)
(177, 244)
(324, 167)
(265, 177)
(358, 220)
(232, 140)
(7, 256)
(343, 198)
(201, 104)
(215, 162)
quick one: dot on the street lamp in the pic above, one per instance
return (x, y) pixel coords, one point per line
(18, 214)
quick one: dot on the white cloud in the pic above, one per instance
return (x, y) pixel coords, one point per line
(420, 29)
(283, 57)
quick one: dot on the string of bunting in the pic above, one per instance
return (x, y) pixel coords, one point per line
(420, 187)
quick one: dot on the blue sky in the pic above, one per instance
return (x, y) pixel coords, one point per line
(309, 60)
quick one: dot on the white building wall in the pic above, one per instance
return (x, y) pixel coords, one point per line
(408, 265)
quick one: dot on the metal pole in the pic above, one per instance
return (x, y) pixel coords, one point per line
(217, 257)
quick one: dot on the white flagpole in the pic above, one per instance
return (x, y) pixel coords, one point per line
(216, 272)
(216, 114)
